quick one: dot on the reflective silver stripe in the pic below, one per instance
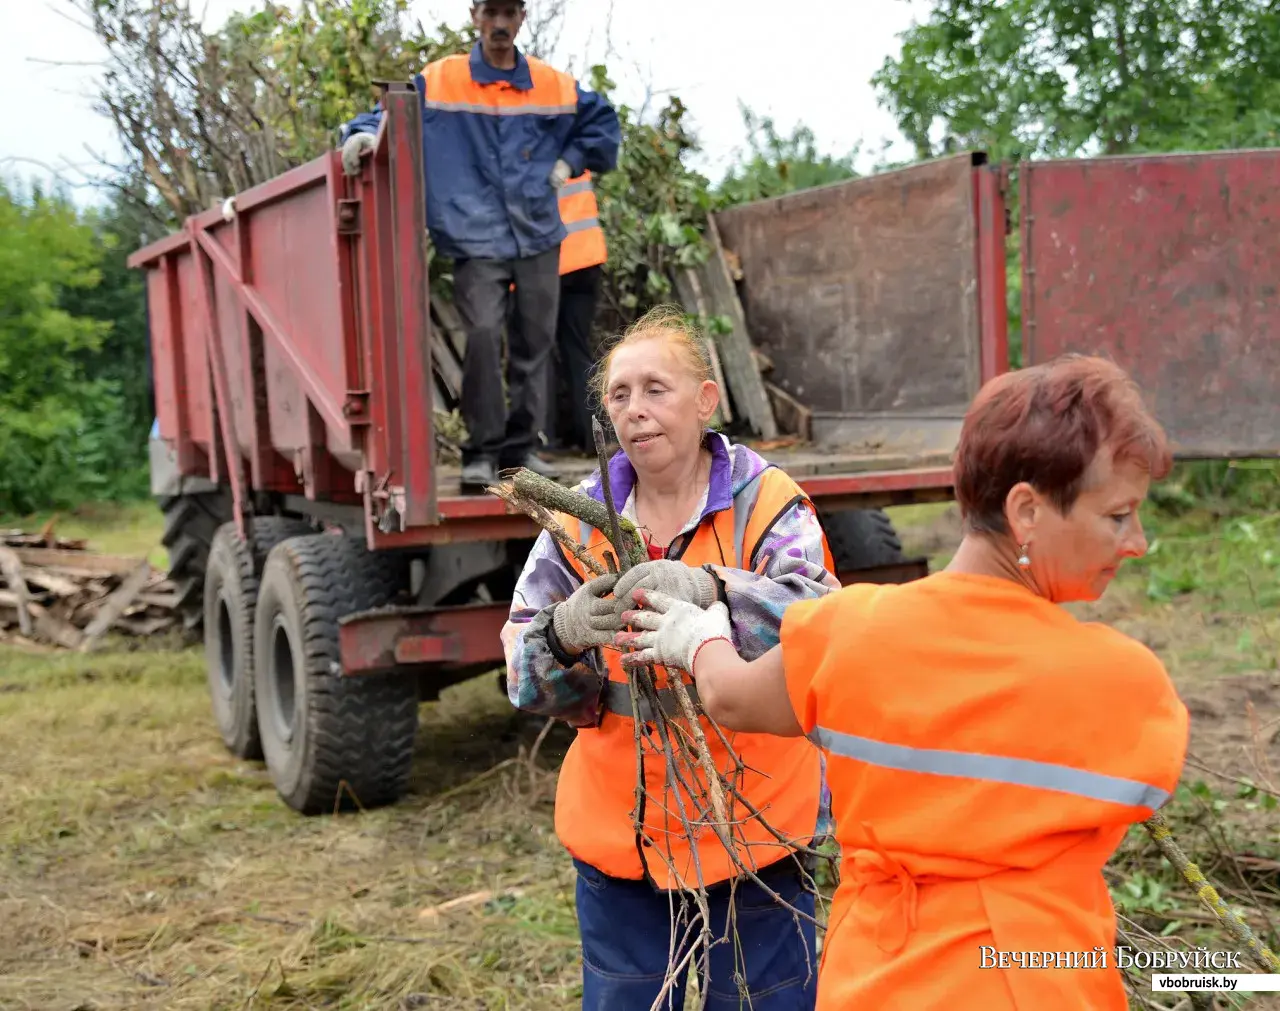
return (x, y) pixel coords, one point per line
(581, 186)
(617, 699)
(583, 225)
(743, 503)
(993, 768)
(584, 532)
(502, 110)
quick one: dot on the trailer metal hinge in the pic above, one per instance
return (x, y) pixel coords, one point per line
(349, 216)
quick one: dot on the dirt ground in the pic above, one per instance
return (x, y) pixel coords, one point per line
(143, 867)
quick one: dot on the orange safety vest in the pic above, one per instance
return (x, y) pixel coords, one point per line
(595, 796)
(986, 754)
(584, 246)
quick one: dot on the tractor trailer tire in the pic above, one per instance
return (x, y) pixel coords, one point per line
(862, 539)
(230, 596)
(330, 742)
(190, 521)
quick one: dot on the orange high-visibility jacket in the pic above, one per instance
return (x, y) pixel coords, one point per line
(986, 754)
(584, 245)
(596, 791)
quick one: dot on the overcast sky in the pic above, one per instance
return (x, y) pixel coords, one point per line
(803, 62)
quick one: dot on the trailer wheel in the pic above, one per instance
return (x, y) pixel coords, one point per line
(862, 539)
(230, 595)
(190, 521)
(329, 741)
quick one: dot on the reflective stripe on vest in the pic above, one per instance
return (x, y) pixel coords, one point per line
(992, 768)
(583, 245)
(451, 88)
(582, 184)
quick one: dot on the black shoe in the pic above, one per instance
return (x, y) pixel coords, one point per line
(478, 474)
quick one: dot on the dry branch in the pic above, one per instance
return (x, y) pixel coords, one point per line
(1161, 833)
(535, 488)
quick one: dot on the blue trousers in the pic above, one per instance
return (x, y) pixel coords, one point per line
(627, 938)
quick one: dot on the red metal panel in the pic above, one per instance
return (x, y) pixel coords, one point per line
(412, 333)
(198, 389)
(993, 312)
(1166, 263)
(379, 641)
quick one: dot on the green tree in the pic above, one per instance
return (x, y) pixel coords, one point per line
(774, 164)
(1058, 78)
(59, 426)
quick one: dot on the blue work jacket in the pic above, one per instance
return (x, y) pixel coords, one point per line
(490, 140)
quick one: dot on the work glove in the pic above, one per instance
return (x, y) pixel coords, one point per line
(672, 630)
(355, 146)
(587, 619)
(675, 579)
(560, 174)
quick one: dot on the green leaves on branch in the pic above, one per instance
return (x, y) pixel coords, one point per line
(1059, 78)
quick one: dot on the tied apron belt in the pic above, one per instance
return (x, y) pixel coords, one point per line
(899, 916)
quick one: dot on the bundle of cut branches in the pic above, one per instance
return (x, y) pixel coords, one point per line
(715, 798)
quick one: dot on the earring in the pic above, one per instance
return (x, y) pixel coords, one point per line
(1023, 561)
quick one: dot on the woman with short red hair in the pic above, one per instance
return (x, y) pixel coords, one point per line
(986, 751)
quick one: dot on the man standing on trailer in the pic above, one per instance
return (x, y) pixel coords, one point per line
(502, 133)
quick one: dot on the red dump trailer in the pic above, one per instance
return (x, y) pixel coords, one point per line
(338, 573)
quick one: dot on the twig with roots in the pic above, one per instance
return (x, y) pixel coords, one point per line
(706, 797)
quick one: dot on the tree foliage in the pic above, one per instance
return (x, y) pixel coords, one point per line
(204, 115)
(774, 164)
(1058, 78)
(63, 434)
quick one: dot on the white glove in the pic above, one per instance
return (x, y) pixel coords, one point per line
(674, 630)
(560, 174)
(356, 145)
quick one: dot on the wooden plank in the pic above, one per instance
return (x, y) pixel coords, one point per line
(447, 368)
(115, 605)
(735, 346)
(11, 566)
(793, 417)
(54, 629)
(451, 323)
(689, 291)
(724, 413)
(59, 586)
(76, 561)
(708, 290)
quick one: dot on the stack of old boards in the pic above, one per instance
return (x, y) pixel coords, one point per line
(56, 593)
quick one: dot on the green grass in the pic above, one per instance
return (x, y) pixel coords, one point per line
(132, 529)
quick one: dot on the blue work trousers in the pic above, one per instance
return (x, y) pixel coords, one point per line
(627, 938)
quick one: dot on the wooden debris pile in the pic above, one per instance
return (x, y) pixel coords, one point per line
(58, 593)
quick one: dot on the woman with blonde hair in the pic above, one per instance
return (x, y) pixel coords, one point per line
(723, 527)
(987, 752)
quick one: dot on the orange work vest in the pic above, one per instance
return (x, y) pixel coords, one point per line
(986, 754)
(595, 796)
(584, 246)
